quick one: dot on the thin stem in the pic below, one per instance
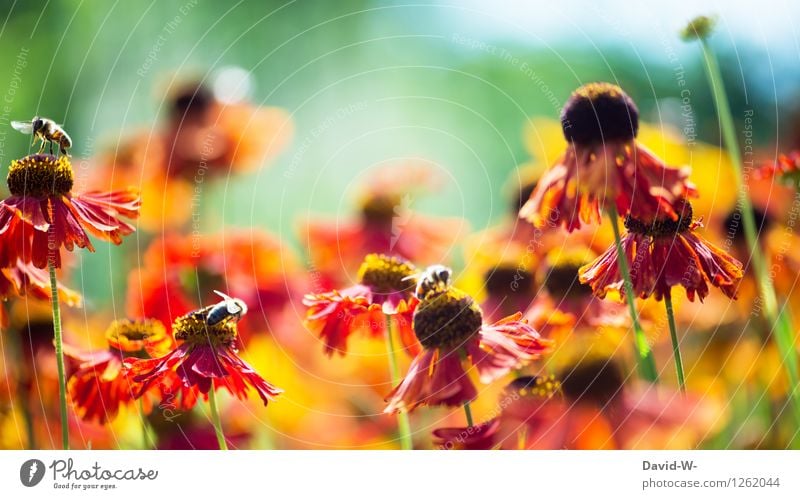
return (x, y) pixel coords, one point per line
(777, 317)
(62, 380)
(468, 414)
(403, 423)
(676, 348)
(145, 426)
(645, 362)
(215, 420)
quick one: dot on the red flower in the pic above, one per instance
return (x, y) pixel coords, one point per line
(386, 225)
(450, 327)
(384, 288)
(664, 254)
(205, 359)
(99, 385)
(42, 207)
(604, 164)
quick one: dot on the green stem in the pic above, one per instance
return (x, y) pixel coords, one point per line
(215, 420)
(403, 423)
(468, 414)
(784, 337)
(59, 341)
(145, 426)
(645, 362)
(676, 348)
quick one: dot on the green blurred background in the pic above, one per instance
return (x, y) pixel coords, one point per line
(371, 81)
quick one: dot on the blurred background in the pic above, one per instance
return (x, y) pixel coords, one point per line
(474, 88)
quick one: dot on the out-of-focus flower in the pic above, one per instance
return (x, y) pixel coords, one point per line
(665, 253)
(98, 385)
(205, 359)
(565, 304)
(604, 164)
(450, 327)
(180, 273)
(589, 408)
(386, 225)
(202, 138)
(385, 288)
(42, 211)
(787, 169)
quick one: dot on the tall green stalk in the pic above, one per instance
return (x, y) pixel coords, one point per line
(403, 423)
(215, 419)
(468, 414)
(645, 362)
(59, 345)
(775, 315)
(676, 348)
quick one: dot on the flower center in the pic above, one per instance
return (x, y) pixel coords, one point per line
(130, 336)
(561, 281)
(40, 175)
(192, 328)
(447, 319)
(506, 280)
(661, 227)
(534, 386)
(599, 112)
(380, 209)
(385, 274)
(598, 381)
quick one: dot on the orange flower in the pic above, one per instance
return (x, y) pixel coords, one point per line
(205, 359)
(180, 273)
(385, 288)
(202, 139)
(604, 164)
(386, 225)
(663, 254)
(42, 210)
(787, 169)
(98, 385)
(590, 408)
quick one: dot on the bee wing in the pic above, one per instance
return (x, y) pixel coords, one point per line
(23, 126)
(230, 303)
(414, 277)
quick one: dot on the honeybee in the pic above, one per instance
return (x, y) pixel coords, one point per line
(46, 130)
(228, 309)
(434, 279)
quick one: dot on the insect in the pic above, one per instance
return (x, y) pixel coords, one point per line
(434, 279)
(46, 130)
(228, 309)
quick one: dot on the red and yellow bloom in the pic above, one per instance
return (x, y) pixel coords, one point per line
(604, 164)
(42, 210)
(665, 253)
(449, 326)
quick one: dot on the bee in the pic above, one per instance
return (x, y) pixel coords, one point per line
(228, 309)
(434, 279)
(46, 130)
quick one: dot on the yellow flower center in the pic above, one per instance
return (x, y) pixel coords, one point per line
(534, 386)
(447, 319)
(130, 336)
(385, 274)
(599, 112)
(40, 175)
(192, 328)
